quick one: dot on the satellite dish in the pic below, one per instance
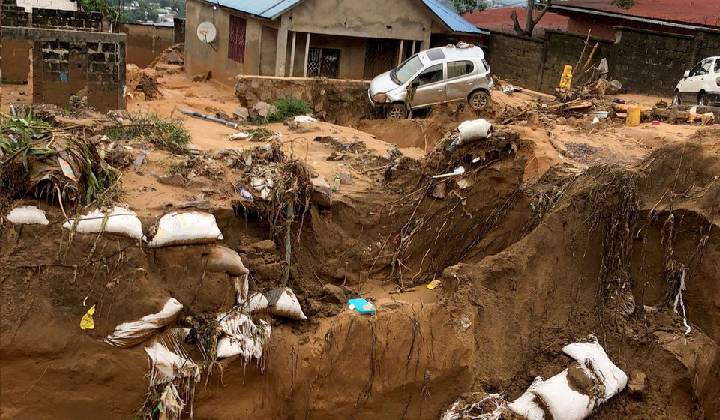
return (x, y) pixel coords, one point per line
(206, 32)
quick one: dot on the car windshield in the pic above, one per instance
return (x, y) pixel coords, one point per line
(406, 70)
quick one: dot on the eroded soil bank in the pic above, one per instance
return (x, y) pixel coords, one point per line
(527, 264)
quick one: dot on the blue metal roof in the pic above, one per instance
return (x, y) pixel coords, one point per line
(451, 19)
(268, 9)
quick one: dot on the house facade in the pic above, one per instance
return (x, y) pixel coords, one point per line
(345, 39)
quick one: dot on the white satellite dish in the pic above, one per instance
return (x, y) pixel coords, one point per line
(206, 32)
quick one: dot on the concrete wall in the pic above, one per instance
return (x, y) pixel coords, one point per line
(201, 57)
(15, 60)
(146, 42)
(398, 19)
(339, 101)
(644, 61)
(516, 59)
(68, 62)
(28, 5)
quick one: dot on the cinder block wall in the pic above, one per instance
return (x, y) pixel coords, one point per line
(516, 59)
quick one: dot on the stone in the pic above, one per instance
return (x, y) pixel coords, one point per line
(439, 191)
(344, 178)
(334, 293)
(266, 245)
(263, 109)
(241, 113)
(322, 192)
(637, 383)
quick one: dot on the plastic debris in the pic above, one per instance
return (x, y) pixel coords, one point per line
(171, 405)
(240, 135)
(186, 228)
(304, 119)
(362, 306)
(474, 130)
(241, 337)
(119, 220)
(27, 215)
(458, 171)
(167, 365)
(283, 302)
(87, 322)
(129, 334)
(433, 284)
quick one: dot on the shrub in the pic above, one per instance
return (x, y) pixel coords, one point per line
(170, 135)
(289, 107)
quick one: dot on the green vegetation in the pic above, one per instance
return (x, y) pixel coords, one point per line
(466, 6)
(289, 107)
(19, 137)
(170, 135)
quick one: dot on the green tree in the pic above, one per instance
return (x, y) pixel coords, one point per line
(466, 6)
(102, 6)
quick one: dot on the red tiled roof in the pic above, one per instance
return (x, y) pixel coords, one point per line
(700, 12)
(499, 20)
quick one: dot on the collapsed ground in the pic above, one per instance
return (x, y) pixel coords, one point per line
(556, 231)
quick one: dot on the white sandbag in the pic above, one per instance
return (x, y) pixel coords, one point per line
(129, 334)
(186, 228)
(118, 220)
(526, 405)
(166, 365)
(474, 130)
(27, 215)
(563, 402)
(304, 119)
(225, 260)
(241, 336)
(256, 303)
(593, 356)
(283, 302)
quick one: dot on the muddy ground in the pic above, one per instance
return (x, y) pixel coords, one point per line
(557, 231)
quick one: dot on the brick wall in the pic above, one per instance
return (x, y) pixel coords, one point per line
(644, 61)
(71, 62)
(517, 59)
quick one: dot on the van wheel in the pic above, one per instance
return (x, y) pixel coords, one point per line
(702, 100)
(478, 100)
(397, 112)
(676, 99)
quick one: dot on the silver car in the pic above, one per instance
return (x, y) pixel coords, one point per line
(434, 76)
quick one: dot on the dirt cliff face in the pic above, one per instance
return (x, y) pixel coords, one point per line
(525, 268)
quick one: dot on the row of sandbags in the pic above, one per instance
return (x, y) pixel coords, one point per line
(572, 394)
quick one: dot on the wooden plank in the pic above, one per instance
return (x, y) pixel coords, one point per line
(307, 54)
(292, 55)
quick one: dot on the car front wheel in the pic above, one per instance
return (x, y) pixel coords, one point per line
(478, 100)
(397, 112)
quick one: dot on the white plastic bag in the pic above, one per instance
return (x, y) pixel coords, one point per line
(563, 402)
(283, 302)
(27, 215)
(241, 336)
(526, 405)
(118, 220)
(167, 365)
(593, 356)
(129, 334)
(474, 130)
(186, 228)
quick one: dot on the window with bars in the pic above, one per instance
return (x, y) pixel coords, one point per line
(236, 39)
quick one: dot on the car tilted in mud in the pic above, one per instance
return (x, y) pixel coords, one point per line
(700, 85)
(435, 76)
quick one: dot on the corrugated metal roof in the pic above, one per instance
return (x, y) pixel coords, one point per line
(498, 20)
(451, 19)
(268, 9)
(701, 12)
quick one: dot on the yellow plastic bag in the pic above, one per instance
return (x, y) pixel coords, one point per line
(566, 78)
(87, 322)
(633, 116)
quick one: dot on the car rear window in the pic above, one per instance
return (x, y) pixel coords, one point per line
(460, 68)
(717, 66)
(435, 54)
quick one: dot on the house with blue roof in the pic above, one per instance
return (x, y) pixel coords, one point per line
(346, 39)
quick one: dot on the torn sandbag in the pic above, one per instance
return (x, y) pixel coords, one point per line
(222, 259)
(281, 302)
(170, 406)
(166, 365)
(27, 215)
(474, 130)
(527, 404)
(129, 334)
(561, 400)
(477, 405)
(241, 336)
(593, 356)
(186, 228)
(119, 220)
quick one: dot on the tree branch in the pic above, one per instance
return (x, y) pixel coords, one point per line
(516, 24)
